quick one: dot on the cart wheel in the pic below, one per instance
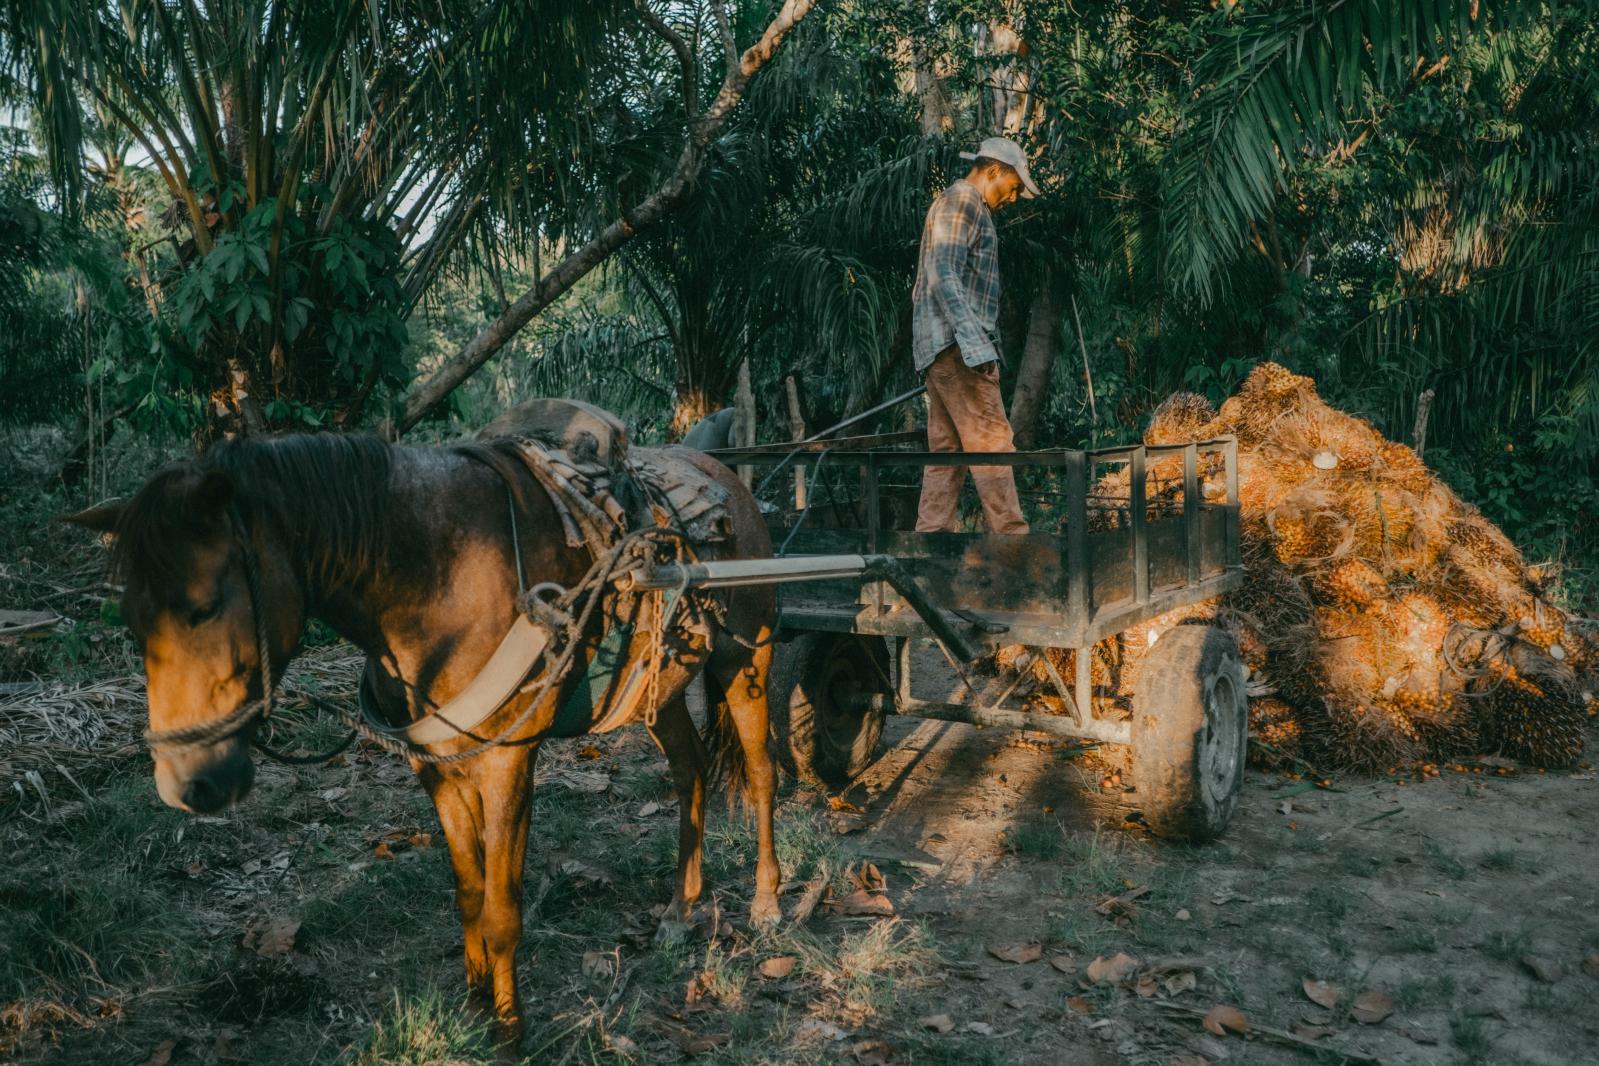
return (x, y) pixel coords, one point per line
(1190, 730)
(825, 737)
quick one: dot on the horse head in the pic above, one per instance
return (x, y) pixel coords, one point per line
(210, 601)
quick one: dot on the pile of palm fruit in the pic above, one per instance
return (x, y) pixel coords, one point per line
(1384, 620)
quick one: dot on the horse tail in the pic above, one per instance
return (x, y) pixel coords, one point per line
(729, 769)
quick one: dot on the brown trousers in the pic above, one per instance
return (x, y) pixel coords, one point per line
(965, 414)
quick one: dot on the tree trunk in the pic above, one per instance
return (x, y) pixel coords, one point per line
(1038, 360)
(1001, 49)
(693, 404)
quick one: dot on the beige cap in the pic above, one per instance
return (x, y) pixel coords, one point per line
(1004, 150)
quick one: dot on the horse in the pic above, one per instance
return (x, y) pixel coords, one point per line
(415, 556)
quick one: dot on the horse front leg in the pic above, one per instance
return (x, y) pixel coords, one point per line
(744, 692)
(504, 780)
(460, 811)
(686, 759)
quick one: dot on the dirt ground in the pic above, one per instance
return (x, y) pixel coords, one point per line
(315, 923)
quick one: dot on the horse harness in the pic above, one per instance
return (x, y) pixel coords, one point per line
(629, 513)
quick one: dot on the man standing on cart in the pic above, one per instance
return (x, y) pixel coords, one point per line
(954, 308)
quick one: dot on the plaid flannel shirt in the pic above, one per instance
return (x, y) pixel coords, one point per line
(956, 296)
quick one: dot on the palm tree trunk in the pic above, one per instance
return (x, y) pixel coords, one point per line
(1038, 360)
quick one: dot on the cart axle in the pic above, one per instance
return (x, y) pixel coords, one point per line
(1053, 724)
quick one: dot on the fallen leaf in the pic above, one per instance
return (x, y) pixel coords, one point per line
(1112, 971)
(382, 850)
(161, 1054)
(1312, 1032)
(590, 782)
(589, 751)
(1018, 953)
(778, 967)
(843, 823)
(980, 1028)
(873, 1052)
(1178, 983)
(1371, 1007)
(1064, 963)
(275, 938)
(862, 902)
(1080, 1004)
(1546, 970)
(1146, 986)
(820, 1028)
(867, 876)
(617, 1044)
(599, 965)
(839, 803)
(1122, 904)
(331, 794)
(938, 1023)
(578, 870)
(691, 1043)
(1182, 915)
(1221, 1018)
(1590, 965)
(805, 906)
(1321, 993)
(421, 840)
(648, 809)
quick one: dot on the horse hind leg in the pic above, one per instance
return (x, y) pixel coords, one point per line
(740, 694)
(685, 757)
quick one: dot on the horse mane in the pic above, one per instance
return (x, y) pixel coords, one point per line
(325, 492)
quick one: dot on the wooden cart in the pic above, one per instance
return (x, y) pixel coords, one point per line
(856, 583)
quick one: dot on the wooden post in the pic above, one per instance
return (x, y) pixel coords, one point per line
(796, 431)
(1138, 515)
(1191, 502)
(1418, 435)
(744, 420)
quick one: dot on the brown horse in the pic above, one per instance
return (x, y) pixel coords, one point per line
(408, 553)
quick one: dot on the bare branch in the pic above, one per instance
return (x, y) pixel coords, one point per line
(724, 29)
(685, 59)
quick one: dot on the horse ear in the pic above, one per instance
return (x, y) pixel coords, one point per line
(104, 518)
(213, 494)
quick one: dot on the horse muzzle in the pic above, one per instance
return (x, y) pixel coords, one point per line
(207, 780)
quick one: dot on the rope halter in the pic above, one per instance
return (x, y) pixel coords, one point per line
(171, 741)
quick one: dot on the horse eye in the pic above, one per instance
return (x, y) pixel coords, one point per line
(204, 614)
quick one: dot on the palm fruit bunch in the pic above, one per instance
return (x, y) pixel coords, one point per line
(1383, 620)
(1529, 707)
(1351, 585)
(1275, 724)
(1368, 579)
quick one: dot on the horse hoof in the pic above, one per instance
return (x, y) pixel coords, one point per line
(671, 932)
(765, 914)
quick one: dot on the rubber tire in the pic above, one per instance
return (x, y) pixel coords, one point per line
(1190, 732)
(817, 742)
